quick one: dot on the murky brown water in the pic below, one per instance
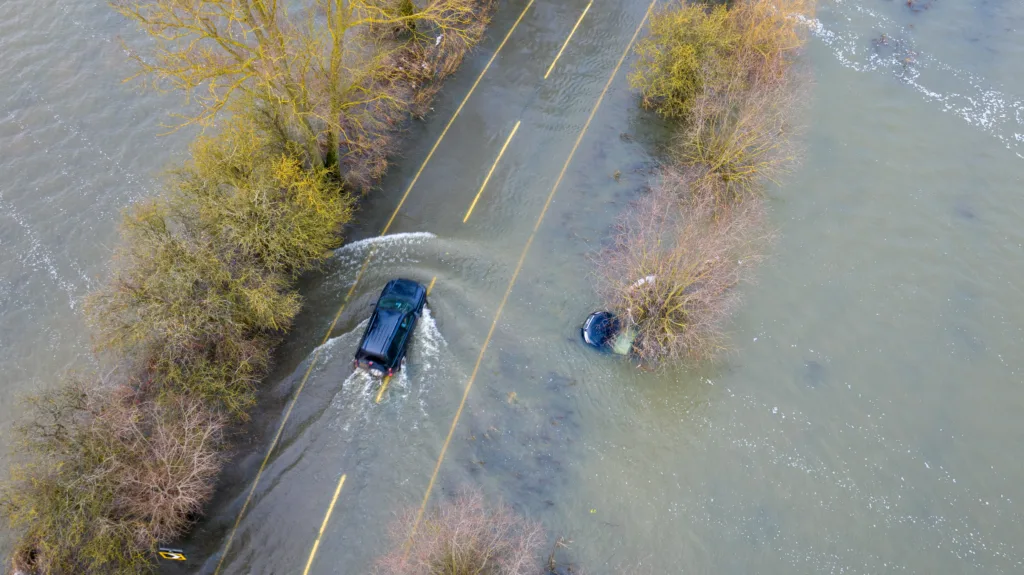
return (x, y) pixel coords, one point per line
(867, 422)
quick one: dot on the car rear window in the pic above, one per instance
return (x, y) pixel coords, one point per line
(363, 356)
(394, 303)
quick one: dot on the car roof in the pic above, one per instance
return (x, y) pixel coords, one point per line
(379, 334)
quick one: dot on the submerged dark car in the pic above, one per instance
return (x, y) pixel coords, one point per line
(604, 331)
(600, 329)
(383, 347)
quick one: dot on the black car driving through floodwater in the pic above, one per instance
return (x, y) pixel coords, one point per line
(386, 339)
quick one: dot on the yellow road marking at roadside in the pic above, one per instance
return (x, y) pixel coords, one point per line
(327, 517)
(491, 172)
(559, 55)
(366, 263)
(387, 380)
(515, 275)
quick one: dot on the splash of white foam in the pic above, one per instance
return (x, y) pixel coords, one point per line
(39, 258)
(389, 240)
(428, 342)
(974, 99)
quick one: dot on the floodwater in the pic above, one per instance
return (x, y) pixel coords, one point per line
(867, 421)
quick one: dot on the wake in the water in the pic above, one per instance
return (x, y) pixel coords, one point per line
(355, 402)
(41, 259)
(390, 249)
(893, 51)
(385, 241)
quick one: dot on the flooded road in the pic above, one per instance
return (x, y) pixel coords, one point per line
(868, 420)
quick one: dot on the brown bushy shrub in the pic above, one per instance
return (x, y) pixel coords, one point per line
(722, 74)
(672, 271)
(103, 478)
(465, 536)
(740, 137)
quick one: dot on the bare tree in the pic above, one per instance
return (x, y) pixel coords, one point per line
(316, 74)
(101, 478)
(169, 461)
(742, 135)
(672, 271)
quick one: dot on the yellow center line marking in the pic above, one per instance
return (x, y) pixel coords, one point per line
(559, 55)
(515, 275)
(431, 286)
(491, 172)
(457, 111)
(348, 296)
(323, 526)
(383, 388)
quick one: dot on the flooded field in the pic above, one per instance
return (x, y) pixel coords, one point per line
(867, 421)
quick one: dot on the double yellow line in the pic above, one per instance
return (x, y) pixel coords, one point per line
(348, 296)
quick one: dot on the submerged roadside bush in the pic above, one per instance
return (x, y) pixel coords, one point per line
(465, 537)
(674, 267)
(740, 137)
(686, 47)
(696, 49)
(189, 315)
(103, 478)
(722, 76)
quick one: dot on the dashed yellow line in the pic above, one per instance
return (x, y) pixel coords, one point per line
(490, 173)
(348, 296)
(515, 275)
(383, 387)
(323, 526)
(284, 420)
(566, 43)
(457, 111)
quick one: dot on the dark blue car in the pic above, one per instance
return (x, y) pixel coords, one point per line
(383, 347)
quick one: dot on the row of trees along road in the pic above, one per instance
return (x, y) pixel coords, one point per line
(328, 75)
(299, 103)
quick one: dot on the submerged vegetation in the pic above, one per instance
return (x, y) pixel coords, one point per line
(723, 76)
(688, 255)
(465, 537)
(302, 110)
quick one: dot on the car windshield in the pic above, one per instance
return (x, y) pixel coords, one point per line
(394, 303)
